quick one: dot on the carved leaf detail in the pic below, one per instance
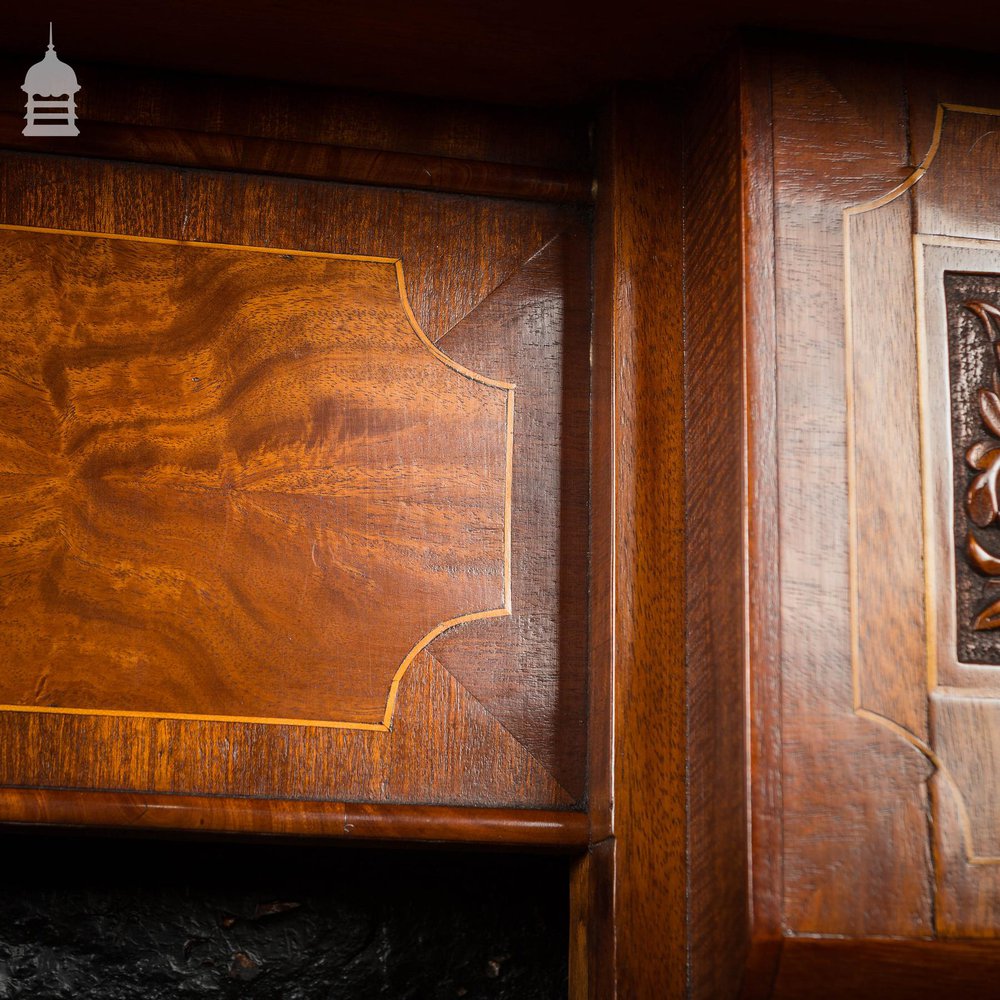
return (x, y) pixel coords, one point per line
(988, 618)
(981, 500)
(986, 312)
(984, 561)
(982, 454)
(989, 407)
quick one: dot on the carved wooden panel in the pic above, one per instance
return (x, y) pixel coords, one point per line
(970, 301)
(885, 775)
(924, 425)
(262, 537)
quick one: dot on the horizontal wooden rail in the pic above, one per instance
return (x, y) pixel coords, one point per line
(340, 820)
(311, 161)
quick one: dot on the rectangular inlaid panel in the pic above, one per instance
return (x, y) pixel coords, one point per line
(294, 492)
(959, 304)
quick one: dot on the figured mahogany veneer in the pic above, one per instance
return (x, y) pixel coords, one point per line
(268, 533)
(220, 494)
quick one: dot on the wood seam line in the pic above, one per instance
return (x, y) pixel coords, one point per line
(503, 284)
(436, 662)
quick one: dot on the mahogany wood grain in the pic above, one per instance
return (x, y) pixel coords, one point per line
(314, 820)
(534, 331)
(509, 738)
(256, 127)
(639, 318)
(872, 969)
(248, 154)
(762, 593)
(861, 881)
(593, 960)
(139, 98)
(219, 495)
(715, 533)
(856, 853)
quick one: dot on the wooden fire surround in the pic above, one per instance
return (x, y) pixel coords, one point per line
(397, 470)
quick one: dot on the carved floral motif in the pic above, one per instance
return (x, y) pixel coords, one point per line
(981, 500)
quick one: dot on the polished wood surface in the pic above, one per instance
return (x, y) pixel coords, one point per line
(837, 799)
(220, 495)
(257, 127)
(593, 959)
(638, 950)
(562, 830)
(136, 98)
(762, 582)
(921, 970)
(715, 533)
(870, 813)
(847, 783)
(492, 713)
(724, 678)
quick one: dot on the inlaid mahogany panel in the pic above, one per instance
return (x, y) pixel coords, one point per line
(259, 491)
(235, 483)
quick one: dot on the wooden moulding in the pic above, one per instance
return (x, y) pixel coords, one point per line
(334, 820)
(256, 128)
(312, 161)
(628, 892)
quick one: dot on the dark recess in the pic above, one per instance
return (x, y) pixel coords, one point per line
(109, 919)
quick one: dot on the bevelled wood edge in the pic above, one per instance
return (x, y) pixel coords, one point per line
(593, 959)
(306, 160)
(600, 697)
(269, 109)
(629, 902)
(721, 518)
(297, 818)
(762, 591)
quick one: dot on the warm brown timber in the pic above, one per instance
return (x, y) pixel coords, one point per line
(762, 648)
(248, 154)
(715, 471)
(217, 493)
(325, 820)
(268, 128)
(872, 970)
(856, 853)
(510, 279)
(593, 960)
(639, 336)
(873, 747)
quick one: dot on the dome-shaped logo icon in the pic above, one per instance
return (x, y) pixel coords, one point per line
(51, 87)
